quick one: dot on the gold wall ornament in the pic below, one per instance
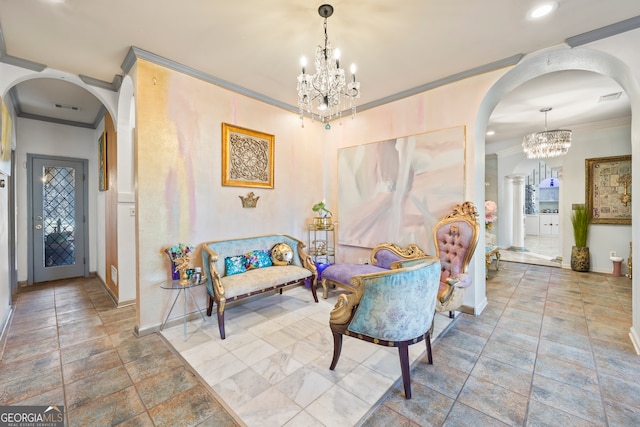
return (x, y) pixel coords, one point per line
(250, 200)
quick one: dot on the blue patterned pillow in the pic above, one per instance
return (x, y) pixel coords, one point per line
(235, 264)
(258, 259)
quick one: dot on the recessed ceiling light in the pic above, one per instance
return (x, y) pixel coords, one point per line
(543, 9)
(491, 132)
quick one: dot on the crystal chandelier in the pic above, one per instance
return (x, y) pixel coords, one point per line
(549, 143)
(326, 94)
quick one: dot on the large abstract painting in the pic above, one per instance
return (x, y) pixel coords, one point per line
(397, 190)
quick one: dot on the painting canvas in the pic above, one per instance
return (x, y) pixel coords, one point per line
(247, 157)
(397, 190)
(102, 162)
(608, 192)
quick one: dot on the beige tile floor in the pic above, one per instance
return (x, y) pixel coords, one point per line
(551, 348)
(540, 250)
(272, 368)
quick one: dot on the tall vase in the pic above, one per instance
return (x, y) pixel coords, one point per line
(580, 259)
(175, 274)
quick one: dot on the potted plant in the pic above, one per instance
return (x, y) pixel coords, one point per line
(580, 219)
(323, 220)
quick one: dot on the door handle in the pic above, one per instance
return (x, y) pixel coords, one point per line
(38, 218)
(39, 227)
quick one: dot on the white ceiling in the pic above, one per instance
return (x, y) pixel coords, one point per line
(257, 45)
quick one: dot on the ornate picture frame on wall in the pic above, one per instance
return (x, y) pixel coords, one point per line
(103, 182)
(608, 189)
(247, 157)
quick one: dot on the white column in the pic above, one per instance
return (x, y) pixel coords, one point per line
(560, 172)
(506, 218)
(518, 212)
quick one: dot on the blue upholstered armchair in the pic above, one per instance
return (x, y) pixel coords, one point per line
(393, 308)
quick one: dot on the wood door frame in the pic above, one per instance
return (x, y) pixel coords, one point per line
(85, 223)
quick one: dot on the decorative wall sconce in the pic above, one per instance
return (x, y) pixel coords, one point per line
(250, 200)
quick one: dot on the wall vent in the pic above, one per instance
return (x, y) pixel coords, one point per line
(114, 275)
(67, 107)
(610, 97)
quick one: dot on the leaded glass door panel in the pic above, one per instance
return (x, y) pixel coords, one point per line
(58, 218)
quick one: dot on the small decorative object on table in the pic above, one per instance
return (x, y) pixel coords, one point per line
(181, 263)
(323, 220)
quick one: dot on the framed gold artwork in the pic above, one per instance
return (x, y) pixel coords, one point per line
(103, 183)
(608, 192)
(247, 157)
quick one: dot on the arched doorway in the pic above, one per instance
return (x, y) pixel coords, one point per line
(557, 60)
(38, 129)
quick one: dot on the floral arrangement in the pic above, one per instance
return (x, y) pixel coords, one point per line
(179, 250)
(490, 209)
(321, 209)
(180, 256)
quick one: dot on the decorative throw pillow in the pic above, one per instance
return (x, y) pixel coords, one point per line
(235, 264)
(258, 259)
(281, 254)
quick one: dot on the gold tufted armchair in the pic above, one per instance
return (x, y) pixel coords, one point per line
(393, 308)
(455, 236)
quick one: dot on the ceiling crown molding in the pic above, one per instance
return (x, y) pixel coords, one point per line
(136, 53)
(502, 63)
(604, 32)
(18, 62)
(113, 86)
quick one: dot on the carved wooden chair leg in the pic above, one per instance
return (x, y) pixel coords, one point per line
(325, 289)
(221, 324)
(427, 339)
(337, 348)
(210, 308)
(403, 350)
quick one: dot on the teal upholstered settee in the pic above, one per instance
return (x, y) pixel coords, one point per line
(240, 268)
